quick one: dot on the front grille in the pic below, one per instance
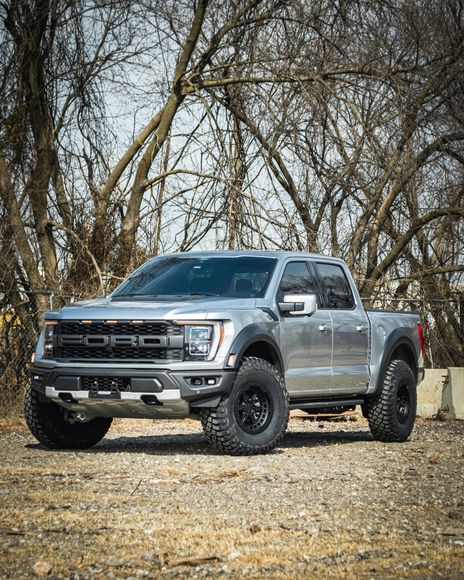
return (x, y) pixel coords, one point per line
(151, 341)
(108, 384)
(147, 328)
(81, 351)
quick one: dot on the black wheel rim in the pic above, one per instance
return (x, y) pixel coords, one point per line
(403, 404)
(253, 410)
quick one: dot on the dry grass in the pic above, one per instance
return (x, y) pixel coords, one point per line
(154, 500)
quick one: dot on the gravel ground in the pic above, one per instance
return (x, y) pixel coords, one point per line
(154, 500)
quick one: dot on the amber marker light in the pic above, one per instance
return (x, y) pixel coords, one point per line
(221, 334)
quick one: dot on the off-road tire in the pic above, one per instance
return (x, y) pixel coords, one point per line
(47, 422)
(392, 412)
(222, 425)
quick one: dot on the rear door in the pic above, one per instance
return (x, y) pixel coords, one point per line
(306, 340)
(350, 329)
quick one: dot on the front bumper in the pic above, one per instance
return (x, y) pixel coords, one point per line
(147, 393)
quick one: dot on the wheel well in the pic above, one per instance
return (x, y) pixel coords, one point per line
(404, 352)
(265, 351)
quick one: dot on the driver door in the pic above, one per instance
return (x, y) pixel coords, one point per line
(306, 340)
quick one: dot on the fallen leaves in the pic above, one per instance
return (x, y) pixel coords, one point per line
(455, 532)
(193, 561)
(13, 532)
(194, 513)
(42, 569)
(219, 476)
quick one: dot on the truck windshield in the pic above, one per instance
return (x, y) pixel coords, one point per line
(231, 277)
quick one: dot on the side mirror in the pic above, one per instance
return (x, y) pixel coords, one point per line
(299, 304)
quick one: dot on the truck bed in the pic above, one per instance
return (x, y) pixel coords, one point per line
(386, 326)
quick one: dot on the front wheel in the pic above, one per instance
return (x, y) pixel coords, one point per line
(392, 412)
(55, 427)
(253, 417)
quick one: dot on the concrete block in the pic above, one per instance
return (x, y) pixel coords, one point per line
(453, 394)
(429, 392)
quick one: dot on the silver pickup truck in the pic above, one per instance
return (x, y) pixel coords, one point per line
(236, 339)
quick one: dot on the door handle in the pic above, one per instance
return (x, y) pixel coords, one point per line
(323, 328)
(361, 328)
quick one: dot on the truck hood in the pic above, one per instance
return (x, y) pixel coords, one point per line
(105, 309)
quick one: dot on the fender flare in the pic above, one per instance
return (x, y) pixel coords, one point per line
(395, 340)
(248, 336)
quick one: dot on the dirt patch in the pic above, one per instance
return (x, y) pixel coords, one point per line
(154, 500)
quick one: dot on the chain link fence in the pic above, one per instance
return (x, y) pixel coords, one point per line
(19, 331)
(18, 338)
(20, 326)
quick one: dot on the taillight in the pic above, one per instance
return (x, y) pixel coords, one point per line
(420, 331)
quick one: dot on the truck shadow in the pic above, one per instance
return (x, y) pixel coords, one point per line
(295, 439)
(196, 443)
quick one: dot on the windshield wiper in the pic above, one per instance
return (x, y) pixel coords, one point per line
(164, 296)
(134, 294)
(202, 294)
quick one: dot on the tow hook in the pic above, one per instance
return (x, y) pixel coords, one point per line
(68, 398)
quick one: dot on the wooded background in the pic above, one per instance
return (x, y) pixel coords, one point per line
(130, 129)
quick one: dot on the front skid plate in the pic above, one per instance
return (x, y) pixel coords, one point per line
(130, 405)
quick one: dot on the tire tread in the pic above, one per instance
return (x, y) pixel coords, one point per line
(39, 419)
(217, 423)
(380, 409)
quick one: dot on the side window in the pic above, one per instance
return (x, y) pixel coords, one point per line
(336, 287)
(296, 280)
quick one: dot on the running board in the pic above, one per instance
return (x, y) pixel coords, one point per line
(305, 404)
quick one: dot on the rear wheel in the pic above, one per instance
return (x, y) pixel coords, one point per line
(391, 413)
(253, 417)
(57, 428)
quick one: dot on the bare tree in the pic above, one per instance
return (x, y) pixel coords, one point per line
(131, 128)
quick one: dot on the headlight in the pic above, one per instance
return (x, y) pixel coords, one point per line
(47, 348)
(202, 340)
(198, 340)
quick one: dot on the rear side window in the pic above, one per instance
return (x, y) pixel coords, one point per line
(297, 280)
(335, 285)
